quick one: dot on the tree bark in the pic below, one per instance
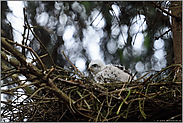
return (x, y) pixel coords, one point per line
(177, 30)
(176, 9)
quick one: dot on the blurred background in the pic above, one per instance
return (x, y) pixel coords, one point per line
(134, 34)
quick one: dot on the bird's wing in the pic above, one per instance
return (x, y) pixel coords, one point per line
(112, 72)
(123, 68)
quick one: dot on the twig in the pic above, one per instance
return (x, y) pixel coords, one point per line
(71, 102)
(158, 6)
(25, 28)
(49, 73)
(141, 111)
(39, 40)
(62, 115)
(35, 93)
(99, 110)
(29, 48)
(121, 96)
(108, 107)
(129, 91)
(19, 56)
(10, 73)
(173, 65)
(75, 68)
(61, 95)
(156, 38)
(21, 86)
(84, 99)
(76, 109)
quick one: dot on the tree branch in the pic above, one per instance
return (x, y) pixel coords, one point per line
(20, 57)
(32, 70)
(168, 13)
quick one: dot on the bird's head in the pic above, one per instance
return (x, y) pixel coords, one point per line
(96, 66)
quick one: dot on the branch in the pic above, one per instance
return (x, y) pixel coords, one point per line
(75, 68)
(32, 69)
(20, 57)
(30, 49)
(61, 95)
(37, 38)
(159, 6)
(156, 38)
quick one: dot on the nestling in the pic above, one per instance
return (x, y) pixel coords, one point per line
(110, 72)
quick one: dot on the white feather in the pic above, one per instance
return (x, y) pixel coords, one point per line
(110, 72)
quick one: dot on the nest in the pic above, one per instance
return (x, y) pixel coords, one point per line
(64, 95)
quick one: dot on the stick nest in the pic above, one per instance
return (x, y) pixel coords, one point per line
(60, 94)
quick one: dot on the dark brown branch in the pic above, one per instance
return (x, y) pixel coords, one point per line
(30, 49)
(62, 96)
(38, 39)
(20, 57)
(163, 10)
(11, 61)
(156, 38)
(75, 68)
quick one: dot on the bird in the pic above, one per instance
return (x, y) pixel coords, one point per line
(108, 73)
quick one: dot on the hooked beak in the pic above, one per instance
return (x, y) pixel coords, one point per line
(90, 69)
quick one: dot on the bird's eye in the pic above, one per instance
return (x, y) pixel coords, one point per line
(94, 65)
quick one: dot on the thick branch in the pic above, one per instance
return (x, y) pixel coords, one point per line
(20, 57)
(60, 94)
(11, 61)
(33, 70)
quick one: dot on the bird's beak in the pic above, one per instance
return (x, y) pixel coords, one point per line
(89, 69)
